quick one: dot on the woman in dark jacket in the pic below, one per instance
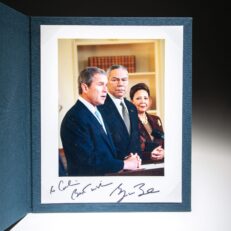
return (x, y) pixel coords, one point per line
(150, 126)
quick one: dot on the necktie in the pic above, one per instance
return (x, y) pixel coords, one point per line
(100, 119)
(125, 116)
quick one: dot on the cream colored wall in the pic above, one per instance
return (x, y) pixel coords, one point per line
(67, 79)
(160, 79)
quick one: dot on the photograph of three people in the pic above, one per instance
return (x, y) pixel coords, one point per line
(111, 113)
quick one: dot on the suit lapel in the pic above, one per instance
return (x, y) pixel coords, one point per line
(109, 138)
(112, 108)
(98, 126)
(131, 114)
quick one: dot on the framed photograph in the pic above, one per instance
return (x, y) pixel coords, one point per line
(160, 54)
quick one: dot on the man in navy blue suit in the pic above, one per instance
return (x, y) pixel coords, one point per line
(86, 140)
(123, 128)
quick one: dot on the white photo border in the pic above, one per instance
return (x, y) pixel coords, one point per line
(169, 186)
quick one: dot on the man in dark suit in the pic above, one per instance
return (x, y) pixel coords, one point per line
(87, 143)
(123, 127)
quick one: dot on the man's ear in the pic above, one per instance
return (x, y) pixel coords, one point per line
(84, 87)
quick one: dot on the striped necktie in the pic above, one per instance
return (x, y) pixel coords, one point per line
(125, 116)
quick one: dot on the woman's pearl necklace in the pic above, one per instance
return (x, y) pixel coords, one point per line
(143, 119)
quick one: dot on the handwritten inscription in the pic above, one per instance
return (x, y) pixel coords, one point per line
(119, 191)
(142, 191)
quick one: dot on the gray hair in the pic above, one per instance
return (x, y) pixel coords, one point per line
(115, 66)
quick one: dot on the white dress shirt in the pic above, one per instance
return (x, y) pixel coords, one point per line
(117, 104)
(93, 110)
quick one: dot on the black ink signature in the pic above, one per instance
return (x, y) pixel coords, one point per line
(77, 193)
(141, 191)
(78, 189)
(100, 185)
(52, 189)
(121, 191)
(62, 186)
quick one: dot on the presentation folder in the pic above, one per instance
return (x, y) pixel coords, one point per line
(20, 150)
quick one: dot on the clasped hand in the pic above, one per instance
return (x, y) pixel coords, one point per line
(132, 162)
(157, 153)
